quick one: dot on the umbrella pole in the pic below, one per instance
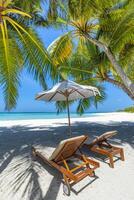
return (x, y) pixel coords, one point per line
(68, 112)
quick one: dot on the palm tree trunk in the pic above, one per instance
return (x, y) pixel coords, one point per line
(120, 85)
(127, 82)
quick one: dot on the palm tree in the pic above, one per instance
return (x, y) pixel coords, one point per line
(20, 47)
(83, 74)
(30, 6)
(106, 24)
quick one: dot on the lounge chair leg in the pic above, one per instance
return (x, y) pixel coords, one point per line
(122, 155)
(66, 186)
(111, 161)
(33, 153)
(94, 174)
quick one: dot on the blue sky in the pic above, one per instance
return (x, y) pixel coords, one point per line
(115, 98)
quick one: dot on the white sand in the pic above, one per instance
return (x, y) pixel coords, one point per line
(24, 179)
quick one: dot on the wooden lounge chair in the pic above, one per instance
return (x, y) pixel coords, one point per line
(102, 146)
(60, 159)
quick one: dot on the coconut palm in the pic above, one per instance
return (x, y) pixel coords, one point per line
(106, 24)
(83, 74)
(30, 6)
(19, 47)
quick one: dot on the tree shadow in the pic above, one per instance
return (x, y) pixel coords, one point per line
(55, 183)
(17, 168)
(99, 157)
(76, 192)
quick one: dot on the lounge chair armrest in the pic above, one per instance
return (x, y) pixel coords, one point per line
(93, 162)
(99, 150)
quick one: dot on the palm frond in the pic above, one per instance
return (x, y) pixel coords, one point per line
(60, 49)
(34, 60)
(30, 6)
(61, 106)
(10, 74)
(27, 46)
(118, 28)
(83, 105)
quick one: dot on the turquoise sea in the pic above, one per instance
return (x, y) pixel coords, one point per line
(4, 116)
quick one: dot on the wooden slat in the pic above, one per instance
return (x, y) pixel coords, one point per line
(68, 175)
(89, 161)
(79, 166)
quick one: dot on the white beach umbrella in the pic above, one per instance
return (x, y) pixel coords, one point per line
(66, 91)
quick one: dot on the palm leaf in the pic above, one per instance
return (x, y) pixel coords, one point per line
(15, 11)
(60, 49)
(19, 40)
(10, 74)
(15, 24)
(83, 105)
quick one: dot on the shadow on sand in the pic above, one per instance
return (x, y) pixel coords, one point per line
(17, 168)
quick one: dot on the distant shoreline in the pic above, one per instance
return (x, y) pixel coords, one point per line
(6, 112)
(105, 118)
(22, 116)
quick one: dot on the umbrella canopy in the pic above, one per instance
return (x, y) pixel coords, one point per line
(69, 89)
(66, 91)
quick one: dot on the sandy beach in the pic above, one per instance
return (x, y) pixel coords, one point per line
(22, 178)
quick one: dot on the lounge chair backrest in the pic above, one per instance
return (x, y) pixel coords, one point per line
(67, 148)
(103, 137)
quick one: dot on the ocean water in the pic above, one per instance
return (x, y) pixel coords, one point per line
(36, 115)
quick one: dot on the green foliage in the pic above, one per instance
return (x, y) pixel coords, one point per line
(83, 105)
(30, 6)
(129, 109)
(10, 74)
(35, 59)
(61, 106)
(19, 46)
(60, 49)
(78, 67)
(110, 22)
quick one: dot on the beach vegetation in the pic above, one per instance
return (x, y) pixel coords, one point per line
(20, 47)
(97, 45)
(128, 109)
(82, 76)
(106, 29)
